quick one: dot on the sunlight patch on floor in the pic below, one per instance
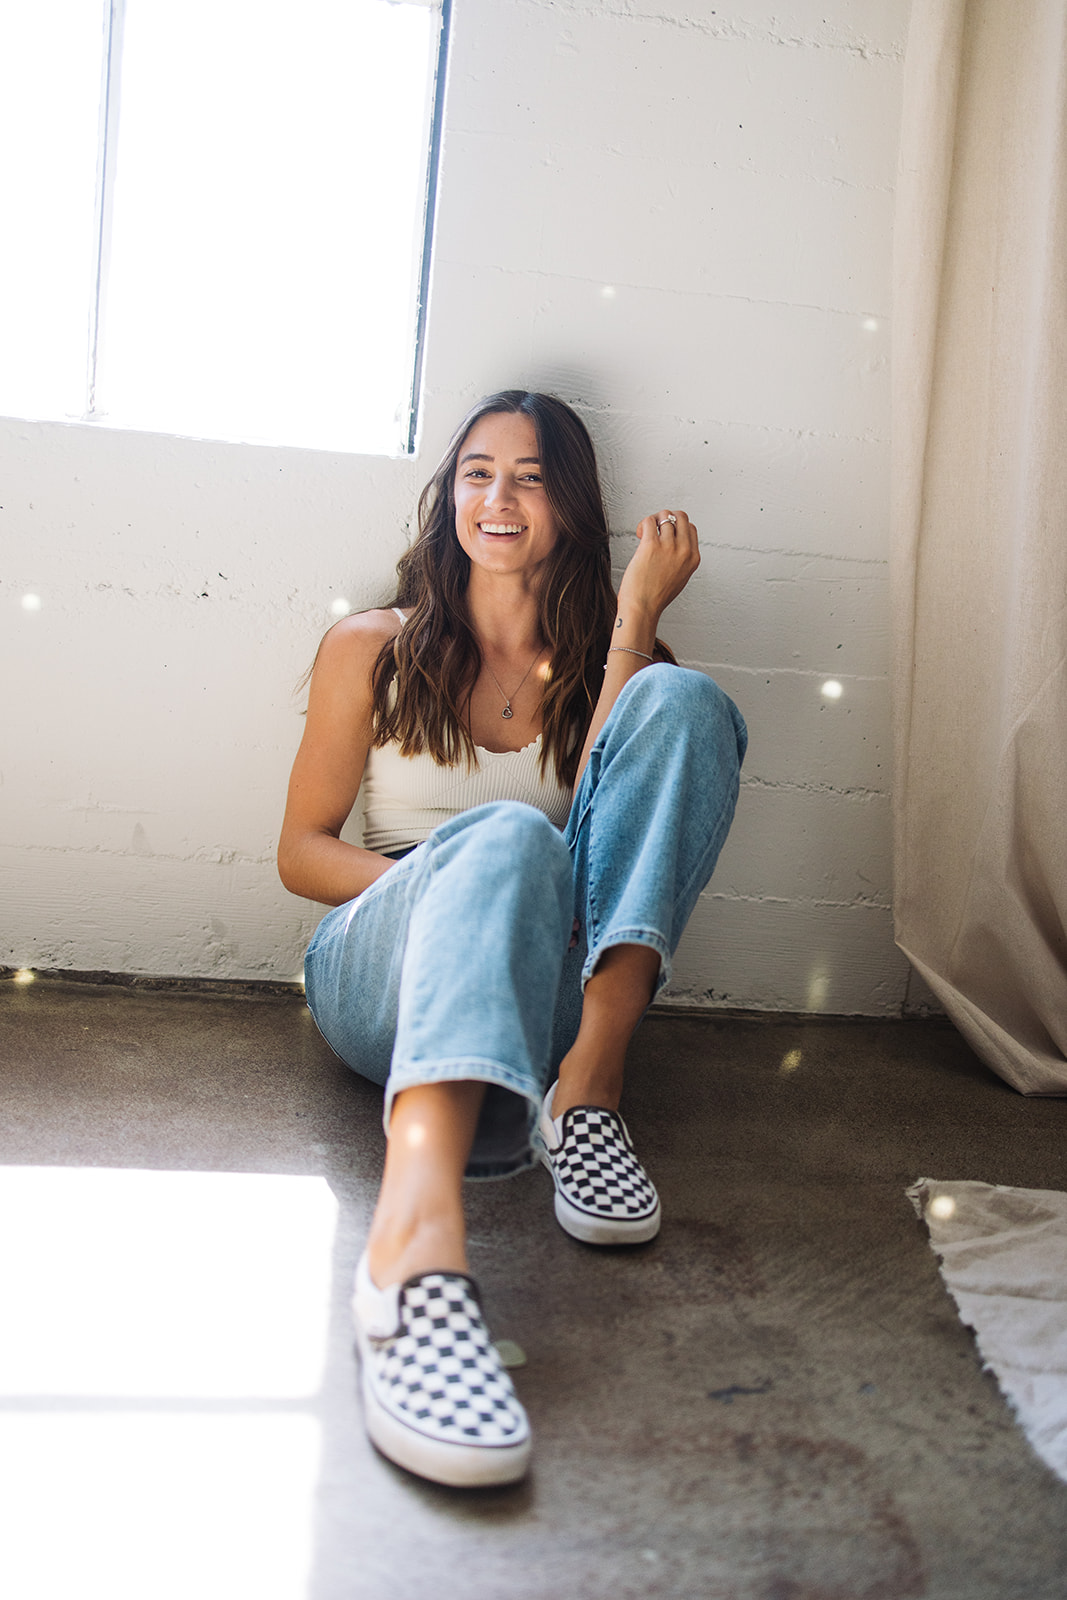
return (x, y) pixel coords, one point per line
(161, 1357)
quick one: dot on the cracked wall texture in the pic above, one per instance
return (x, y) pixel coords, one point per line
(676, 216)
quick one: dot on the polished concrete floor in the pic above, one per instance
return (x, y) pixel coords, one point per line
(773, 1401)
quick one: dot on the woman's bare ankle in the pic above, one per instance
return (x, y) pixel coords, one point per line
(396, 1253)
(582, 1084)
(615, 999)
(418, 1221)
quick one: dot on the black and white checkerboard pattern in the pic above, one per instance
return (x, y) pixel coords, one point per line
(595, 1167)
(439, 1372)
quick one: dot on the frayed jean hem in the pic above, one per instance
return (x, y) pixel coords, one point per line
(649, 937)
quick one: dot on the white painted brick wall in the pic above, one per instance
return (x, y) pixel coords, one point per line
(676, 216)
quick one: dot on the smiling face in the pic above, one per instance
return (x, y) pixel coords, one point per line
(503, 518)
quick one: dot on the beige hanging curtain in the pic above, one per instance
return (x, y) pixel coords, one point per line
(980, 526)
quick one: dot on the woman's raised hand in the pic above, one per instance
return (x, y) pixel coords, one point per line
(666, 557)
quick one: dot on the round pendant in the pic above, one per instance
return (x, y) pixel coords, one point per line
(507, 712)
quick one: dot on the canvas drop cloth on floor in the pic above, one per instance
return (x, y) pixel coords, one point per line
(1003, 1255)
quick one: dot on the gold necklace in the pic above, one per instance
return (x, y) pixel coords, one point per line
(508, 698)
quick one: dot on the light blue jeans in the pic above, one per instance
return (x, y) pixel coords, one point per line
(459, 962)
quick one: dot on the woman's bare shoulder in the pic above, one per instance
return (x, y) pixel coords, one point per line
(354, 643)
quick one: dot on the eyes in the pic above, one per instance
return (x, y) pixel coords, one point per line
(482, 475)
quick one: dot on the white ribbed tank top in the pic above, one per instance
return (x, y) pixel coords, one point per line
(406, 797)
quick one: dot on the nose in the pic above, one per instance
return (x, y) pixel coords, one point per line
(498, 491)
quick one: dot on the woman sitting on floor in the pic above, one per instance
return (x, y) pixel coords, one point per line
(545, 797)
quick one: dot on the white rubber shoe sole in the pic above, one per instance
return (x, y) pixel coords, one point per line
(458, 1466)
(590, 1229)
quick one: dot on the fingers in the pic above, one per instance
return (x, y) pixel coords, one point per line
(668, 524)
(671, 530)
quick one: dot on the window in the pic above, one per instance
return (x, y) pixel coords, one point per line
(217, 214)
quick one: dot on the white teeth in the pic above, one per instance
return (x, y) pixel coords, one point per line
(500, 527)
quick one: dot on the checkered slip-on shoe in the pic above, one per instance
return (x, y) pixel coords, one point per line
(436, 1399)
(603, 1193)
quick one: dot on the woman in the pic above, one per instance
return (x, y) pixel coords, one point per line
(505, 696)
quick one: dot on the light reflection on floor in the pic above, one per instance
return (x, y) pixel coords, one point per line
(161, 1354)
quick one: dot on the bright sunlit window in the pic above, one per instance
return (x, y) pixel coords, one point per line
(216, 215)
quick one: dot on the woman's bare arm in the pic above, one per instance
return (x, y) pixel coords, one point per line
(663, 563)
(313, 860)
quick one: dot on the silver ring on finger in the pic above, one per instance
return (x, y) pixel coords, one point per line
(670, 517)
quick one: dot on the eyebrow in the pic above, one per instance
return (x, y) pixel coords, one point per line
(520, 461)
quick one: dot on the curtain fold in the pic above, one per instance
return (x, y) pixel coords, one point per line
(979, 544)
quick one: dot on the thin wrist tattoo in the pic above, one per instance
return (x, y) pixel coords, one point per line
(618, 622)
